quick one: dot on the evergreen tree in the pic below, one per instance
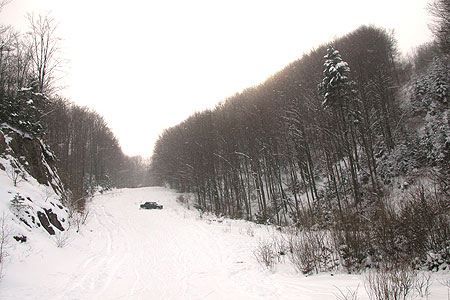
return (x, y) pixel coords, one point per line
(335, 86)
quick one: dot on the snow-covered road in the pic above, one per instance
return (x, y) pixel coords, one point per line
(160, 254)
(127, 253)
(153, 254)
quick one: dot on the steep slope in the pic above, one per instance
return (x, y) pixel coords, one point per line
(30, 190)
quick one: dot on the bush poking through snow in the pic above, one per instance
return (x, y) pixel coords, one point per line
(311, 252)
(415, 232)
(16, 174)
(61, 238)
(250, 230)
(390, 283)
(351, 240)
(265, 254)
(280, 245)
(78, 218)
(422, 284)
(77, 214)
(348, 295)
(446, 282)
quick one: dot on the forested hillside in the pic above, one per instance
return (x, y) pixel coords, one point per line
(351, 138)
(88, 155)
(323, 132)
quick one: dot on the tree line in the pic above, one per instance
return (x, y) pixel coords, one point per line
(89, 156)
(317, 137)
(272, 145)
(348, 144)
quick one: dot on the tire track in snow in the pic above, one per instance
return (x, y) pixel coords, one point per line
(98, 271)
(164, 255)
(112, 264)
(133, 251)
(89, 268)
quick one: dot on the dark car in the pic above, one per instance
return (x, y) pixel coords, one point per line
(151, 205)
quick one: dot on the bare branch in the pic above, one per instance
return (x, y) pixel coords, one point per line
(44, 52)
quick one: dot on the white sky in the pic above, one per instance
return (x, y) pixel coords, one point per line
(148, 65)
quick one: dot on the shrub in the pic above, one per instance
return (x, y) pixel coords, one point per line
(311, 251)
(390, 283)
(266, 254)
(425, 226)
(422, 284)
(350, 239)
(413, 230)
(61, 239)
(348, 295)
(18, 203)
(78, 218)
(15, 173)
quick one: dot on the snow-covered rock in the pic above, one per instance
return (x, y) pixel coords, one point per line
(30, 189)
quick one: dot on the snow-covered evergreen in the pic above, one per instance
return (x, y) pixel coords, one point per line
(336, 85)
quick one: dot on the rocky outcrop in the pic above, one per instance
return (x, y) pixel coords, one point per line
(45, 223)
(34, 199)
(32, 154)
(53, 218)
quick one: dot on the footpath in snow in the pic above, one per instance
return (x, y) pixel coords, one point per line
(127, 253)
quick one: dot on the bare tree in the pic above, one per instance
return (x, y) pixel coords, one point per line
(16, 174)
(7, 53)
(440, 26)
(22, 62)
(44, 52)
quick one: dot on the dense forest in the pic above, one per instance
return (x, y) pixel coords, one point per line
(353, 138)
(89, 156)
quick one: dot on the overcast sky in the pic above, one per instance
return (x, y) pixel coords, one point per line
(148, 65)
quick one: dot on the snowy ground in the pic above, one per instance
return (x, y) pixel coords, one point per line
(127, 253)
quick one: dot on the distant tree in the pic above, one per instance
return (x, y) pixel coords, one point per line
(423, 55)
(135, 171)
(89, 155)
